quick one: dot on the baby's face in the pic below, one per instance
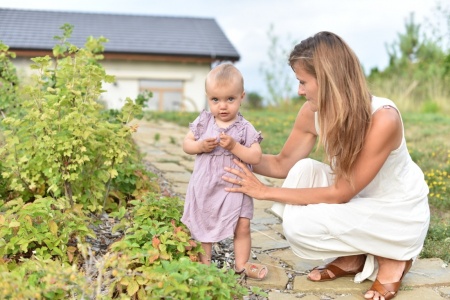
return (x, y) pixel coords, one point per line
(224, 100)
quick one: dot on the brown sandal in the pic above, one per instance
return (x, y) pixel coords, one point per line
(389, 290)
(254, 271)
(337, 272)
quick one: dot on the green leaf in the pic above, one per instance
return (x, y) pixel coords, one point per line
(14, 224)
(53, 227)
(132, 288)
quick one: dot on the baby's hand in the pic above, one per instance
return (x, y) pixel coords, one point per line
(208, 145)
(227, 142)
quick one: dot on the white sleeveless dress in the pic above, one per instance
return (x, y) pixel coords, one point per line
(388, 218)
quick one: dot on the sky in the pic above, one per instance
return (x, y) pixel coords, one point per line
(366, 25)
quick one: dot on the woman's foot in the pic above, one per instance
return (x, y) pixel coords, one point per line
(389, 278)
(340, 267)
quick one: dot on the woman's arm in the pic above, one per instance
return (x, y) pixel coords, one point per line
(384, 136)
(298, 145)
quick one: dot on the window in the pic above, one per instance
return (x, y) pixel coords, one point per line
(167, 94)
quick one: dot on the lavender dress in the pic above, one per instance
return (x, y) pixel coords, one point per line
(211, 213)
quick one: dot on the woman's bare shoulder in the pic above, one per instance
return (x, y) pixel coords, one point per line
(305, 120)
(387, 123)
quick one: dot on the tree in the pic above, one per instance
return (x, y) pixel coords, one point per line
(254, 100)
(276, 72)
(416, 71)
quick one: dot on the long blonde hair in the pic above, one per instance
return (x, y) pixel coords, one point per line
(344, 100)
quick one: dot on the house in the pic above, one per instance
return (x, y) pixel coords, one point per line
(168, 55)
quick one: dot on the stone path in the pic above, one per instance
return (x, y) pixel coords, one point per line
(160, 143)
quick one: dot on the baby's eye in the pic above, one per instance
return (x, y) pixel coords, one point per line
(231, 99)
(215, 100)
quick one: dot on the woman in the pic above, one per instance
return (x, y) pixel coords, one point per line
(368, 208)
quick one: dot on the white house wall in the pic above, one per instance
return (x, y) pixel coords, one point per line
(129, 73)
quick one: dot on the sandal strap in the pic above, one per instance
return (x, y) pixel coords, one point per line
(387, 290)
(338, 272)
(335, 270)
(254, 270)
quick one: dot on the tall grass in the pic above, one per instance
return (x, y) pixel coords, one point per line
(414, 95)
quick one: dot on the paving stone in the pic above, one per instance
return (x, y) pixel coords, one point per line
(263, 204)
(168, 167)
(142, 141)
(274, 181)
(182, 177)
(268, 240)
(262, 217)
(341, 285)
(418, 294)
(175, 150)
(187, 164)
(278, 227)
(258, 227)
(298, 264)
(289, 296)
(428, 272)
(445, 291)
(163, 157)
(276, 277)
(313, 297)
(180, 189)
(347, 297)
(151, 153)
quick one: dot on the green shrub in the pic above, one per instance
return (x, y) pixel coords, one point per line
(59, 144)
(430, 107)
(437, 242)
(184, 279)
(153, 228)
(133, 181)
(8, 81)
(42, 279)
(45, 228)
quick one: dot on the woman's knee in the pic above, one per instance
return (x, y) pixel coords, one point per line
(304, 165)
(307, 173)
(304, 224)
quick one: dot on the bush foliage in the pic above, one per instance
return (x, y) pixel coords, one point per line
(63, 159)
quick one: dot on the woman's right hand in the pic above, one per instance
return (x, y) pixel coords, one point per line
(246, 182)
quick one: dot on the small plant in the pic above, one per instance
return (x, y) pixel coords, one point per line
(45, 228)
(157, 137)
(184, 279)
(155, 230)
(38, 278)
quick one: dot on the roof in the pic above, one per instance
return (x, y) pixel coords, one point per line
(131, 34)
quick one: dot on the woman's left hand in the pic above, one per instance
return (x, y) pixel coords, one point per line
(247, 181)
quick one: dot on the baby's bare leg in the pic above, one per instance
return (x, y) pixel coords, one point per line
(206, 258)
(242, 243)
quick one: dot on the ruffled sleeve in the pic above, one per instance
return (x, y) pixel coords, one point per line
(251, 135)
(247, 134)
(198, 127)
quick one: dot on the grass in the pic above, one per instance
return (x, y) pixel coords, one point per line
(428, 142)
